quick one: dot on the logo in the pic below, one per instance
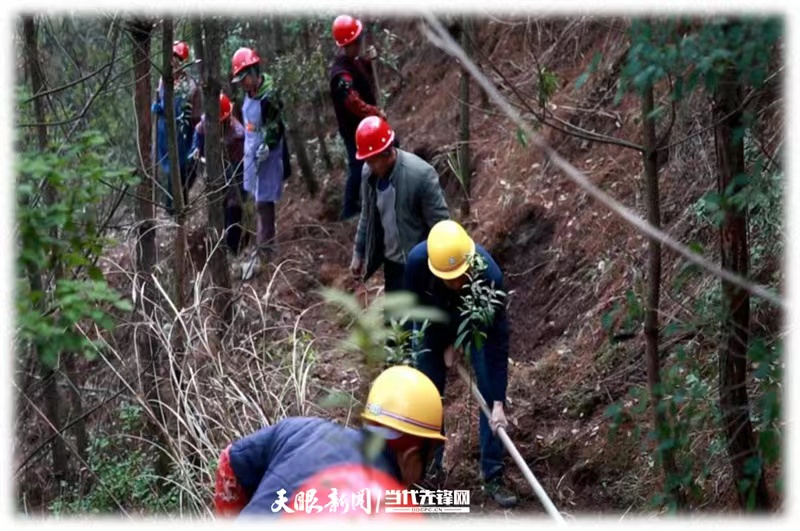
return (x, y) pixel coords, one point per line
(369, 501)
(452, 260)
(426, 501)
(250, 127)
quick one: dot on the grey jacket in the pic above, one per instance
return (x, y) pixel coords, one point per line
(419, 205)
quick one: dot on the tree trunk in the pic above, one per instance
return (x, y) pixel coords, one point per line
(734, 252)
(177, 178)
(299, 144)
(463, 138)
(79, 427)
(319, 127)
(209, 51)
(651, 325)
(50, 392)
(147, 346)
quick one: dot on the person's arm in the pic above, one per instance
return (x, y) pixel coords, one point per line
(345, 92)
(242, 466)
(198, 140)
(359, 250)
(434, 205)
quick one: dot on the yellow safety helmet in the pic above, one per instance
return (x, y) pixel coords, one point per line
(404, 399)
(449, 250)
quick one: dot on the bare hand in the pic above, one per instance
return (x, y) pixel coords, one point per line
(356, 266)
(498, 418)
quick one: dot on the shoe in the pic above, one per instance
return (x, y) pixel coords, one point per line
(501, 494)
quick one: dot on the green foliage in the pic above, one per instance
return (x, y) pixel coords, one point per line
(122, 472)
(631, 315)
(548, 85)
(63, 236)
(380, 342)
(480, 301)
(697, 55)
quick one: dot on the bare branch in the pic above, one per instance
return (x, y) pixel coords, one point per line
(443, 40)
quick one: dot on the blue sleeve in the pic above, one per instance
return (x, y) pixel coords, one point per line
(496, 348)
(251, 455)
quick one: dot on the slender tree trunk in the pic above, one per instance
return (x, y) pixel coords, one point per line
(172, 148)
(734, 402)
(299, 145)
(319, 127)
(208, 50)
(146, 345)
(79, 427)
(49, 376)
(463, 138)
(651, 325)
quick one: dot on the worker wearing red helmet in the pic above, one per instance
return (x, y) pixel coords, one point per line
(402, 201)
(232, 135)
(351, 85)
(188, 109)
(266, 155)
(263, 473)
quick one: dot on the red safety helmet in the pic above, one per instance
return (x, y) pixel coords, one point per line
(331, 493)
(181, 49)
(372, 137)
(346, 29)
(242, 59)
(225, 107)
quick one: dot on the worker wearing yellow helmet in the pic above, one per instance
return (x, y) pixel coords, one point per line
(263, 472)
(437, 272)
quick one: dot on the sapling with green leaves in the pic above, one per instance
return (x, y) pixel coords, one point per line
(480, 301)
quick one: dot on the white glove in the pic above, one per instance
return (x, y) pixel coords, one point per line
(262, 153)
(372, 53)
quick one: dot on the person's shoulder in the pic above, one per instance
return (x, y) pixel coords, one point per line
(416, 164)
(418, 256)
(493, 270)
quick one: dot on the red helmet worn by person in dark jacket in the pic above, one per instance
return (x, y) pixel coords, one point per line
(373, 136)
(350, 491)
(346, 30)
(225, 107)
(241, 61)
(181, 49)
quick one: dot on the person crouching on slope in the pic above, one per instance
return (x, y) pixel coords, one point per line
(259, 473)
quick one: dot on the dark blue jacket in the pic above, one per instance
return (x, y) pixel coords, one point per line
(431, 291)
(286, 454)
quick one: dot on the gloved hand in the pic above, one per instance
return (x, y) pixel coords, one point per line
(372, 53)
(498, 418)
(156, 108)
(193, 155)
(262, 153)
